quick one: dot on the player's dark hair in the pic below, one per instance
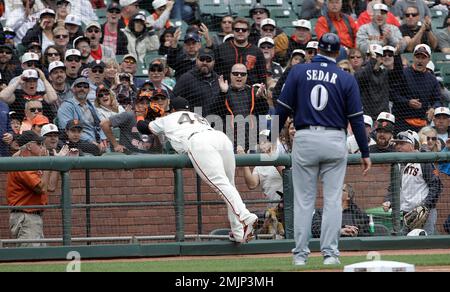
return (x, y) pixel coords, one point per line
(241, 20)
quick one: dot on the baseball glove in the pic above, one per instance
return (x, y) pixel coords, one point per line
(416, 218)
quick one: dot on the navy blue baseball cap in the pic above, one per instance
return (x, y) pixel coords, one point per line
(192, 36)
(330, 42)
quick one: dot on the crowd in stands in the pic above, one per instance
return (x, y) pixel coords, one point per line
(82, 81)
(64, 60)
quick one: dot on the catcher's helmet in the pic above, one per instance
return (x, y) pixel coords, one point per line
(330, 42)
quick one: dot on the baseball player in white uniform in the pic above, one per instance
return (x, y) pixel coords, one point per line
(211, 153)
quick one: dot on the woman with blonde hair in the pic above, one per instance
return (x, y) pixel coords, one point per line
(429, 140)
(346, 66)
(111, 71)
(106, 103)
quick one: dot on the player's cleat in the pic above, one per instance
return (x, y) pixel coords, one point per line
(331, 261)
(249, 228)
(299, 262)
(232, 238)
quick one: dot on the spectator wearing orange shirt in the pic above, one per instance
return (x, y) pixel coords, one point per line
(27, 188)
(339, 23)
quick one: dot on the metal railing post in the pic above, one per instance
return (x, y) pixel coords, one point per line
(395, 204)
(199, 207)
(88, 202)
(288, 203)
(66, 204)
(179, 204)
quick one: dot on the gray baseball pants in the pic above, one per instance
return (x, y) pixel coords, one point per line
(318, 153)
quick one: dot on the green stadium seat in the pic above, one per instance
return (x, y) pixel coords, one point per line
(150, 57)
(277, 13)
(439, 59)
(274, 3)
(241, 8)
(445, 74)
(101, 13)
(297, 6)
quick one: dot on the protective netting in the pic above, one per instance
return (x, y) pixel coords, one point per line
(229, 59)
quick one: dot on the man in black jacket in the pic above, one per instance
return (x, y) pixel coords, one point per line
(240, 50)
(239, 102)
(200, 85)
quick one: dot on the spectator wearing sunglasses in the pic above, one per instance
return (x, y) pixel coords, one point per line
(32, 109)
(269, 29)
(157, 76)
(96, 77)
(98, 51)
(17, 96)
(72, 61)
(367, 16)
(401, 6)
(416, 32)
(429, 141)
(199, 85)
(113, 36)
(258, 13)
(61, 38)
(42, 31)
(240, 50)
(140, 39)
(81, 109)
(106, 103)
(9, 65)
(10, 34)
(378, 31)
(238, 99)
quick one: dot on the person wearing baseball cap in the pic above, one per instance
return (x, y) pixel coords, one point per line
(129, 8)
(98, 51)
(140, 40)
(112, 27)
(58, 77)
(424, 93)
(75, 130)
(30, 85)
(424, 186)
(127, 120)
(384, 134)
(72, 61)
(441, 120)
(373, 32)
(267, 46)
(352, 145)
(301, 35)
(160, 19)
(179, 104)
(10, 35)
(44, 26)
(38, 122)
(28, 188)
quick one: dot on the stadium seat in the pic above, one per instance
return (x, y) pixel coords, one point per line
(445, 74)
(278, 13)
(150, 56)
(297, 6)
(101, 13)
(439, 59)
(275, 3)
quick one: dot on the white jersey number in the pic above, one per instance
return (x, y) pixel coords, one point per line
(192, 118)
(319, 97)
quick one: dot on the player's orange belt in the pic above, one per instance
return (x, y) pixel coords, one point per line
(416, 122)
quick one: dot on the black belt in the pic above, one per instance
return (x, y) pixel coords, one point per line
(34, 213)
(325, 128)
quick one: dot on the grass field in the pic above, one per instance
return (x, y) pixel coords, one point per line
(237, 264)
